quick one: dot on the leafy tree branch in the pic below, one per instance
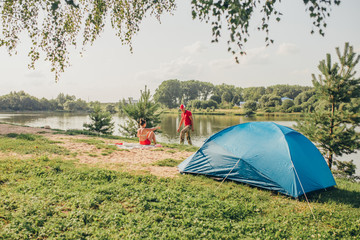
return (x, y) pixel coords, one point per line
(54, 26)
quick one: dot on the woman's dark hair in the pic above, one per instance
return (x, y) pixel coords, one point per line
(142, 121)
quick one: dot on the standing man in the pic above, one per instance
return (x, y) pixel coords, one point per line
(186, 118)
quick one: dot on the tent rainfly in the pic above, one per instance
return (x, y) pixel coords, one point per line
(265, 155)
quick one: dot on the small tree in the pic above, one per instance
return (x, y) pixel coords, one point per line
(145, 108)
(332, 125)
(101, 121)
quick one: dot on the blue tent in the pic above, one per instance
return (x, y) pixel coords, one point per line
(262, 154)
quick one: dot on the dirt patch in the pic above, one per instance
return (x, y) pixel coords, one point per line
(8, 128)
(134, 160)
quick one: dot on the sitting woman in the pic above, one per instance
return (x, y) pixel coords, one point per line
(146, 135)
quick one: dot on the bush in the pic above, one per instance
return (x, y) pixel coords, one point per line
(250, 105)
(212, 104)
(216, 98)
(226, 105)
(295, 109)
(248, 111)
(286, 105)
(196, 104)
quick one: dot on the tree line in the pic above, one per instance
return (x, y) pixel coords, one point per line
(203, 95)
(21, 101)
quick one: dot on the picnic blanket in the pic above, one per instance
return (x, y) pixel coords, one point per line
(125, 145)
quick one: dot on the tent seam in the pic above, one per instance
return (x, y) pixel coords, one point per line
(292, 163)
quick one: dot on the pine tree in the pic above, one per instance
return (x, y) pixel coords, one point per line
(332, 125)
(101, 121)
(145, 109)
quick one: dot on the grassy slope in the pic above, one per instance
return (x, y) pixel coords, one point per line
(52, 198)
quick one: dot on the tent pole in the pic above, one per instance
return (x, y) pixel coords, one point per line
(307, 200)
(228, 173)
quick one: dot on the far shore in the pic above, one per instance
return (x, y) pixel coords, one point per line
(234, 111)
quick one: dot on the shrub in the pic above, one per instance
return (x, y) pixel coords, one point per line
(248, 112)
(250, 105)
(286, 105)
(195, 104)
(295, 109)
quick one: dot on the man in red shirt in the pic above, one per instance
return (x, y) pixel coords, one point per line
(186, 118)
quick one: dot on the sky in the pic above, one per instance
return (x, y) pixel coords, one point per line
(180, 48)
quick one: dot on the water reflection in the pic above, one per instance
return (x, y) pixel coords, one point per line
(206, 125)
(54, 119)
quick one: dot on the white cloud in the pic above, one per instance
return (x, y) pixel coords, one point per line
(180, 68)
(35, 74)
(255, 56)
(225, 63)
(196, 47)
(287, 49)
(305, 71)
(357, 49)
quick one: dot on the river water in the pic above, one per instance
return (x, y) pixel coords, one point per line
(205, 125)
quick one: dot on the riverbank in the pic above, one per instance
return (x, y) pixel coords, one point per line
(59, 186)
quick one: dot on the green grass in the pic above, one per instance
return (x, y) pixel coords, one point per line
(90, 141)
(107, 152)
(157, 149)
(168, 162)
(30, 144)
(180, 147)
(89, 133)
(42, 198)
(49, 198)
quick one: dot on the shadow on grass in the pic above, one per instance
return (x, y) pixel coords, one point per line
(335, 195)
(331, 195)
